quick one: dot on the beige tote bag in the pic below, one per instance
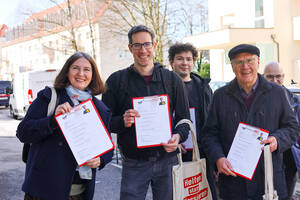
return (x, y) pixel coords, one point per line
(189, 178)
(270, 193)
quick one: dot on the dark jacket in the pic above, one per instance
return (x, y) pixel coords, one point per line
(270, 110)
(206, 96)
(118, 98)
(51, 165)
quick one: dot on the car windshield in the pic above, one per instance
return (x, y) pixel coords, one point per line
(4, 87)
(294, 90)
(214, 85)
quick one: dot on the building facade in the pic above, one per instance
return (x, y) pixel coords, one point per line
(46, 39)
(272, 25)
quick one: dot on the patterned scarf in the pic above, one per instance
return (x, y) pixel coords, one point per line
(78, 96)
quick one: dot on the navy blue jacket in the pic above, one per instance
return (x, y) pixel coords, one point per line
(51, 165)
(270, 110)
(118, 98)
(206, 97)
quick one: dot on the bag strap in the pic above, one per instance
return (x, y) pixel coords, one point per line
(52, 103)
(269, 187)
(196, 153)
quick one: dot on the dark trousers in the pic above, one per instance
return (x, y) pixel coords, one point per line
(30, 197)
(137, 175)
(290, 171)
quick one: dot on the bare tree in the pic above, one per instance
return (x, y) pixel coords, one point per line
(124, 14)
(87, 12)
(171, 20)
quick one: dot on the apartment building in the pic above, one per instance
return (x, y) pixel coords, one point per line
(272, 25)
(46, 39)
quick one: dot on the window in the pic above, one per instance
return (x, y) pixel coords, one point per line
(259, 14)
(259, 8)
(260, 23)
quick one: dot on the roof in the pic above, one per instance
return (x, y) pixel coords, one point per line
(3, 28)
(18, 33)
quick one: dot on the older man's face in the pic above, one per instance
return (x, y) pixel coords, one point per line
(245, 67)
(274, 74)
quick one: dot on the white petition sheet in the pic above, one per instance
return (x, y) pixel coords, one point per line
(245, 150)
(153, 126)
(85, 132)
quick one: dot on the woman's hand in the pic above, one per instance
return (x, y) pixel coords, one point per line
(63, 108)
(93, 163)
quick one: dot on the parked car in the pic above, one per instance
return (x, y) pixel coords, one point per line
(5, 91)
(294, 90)
(217, 84)
(25, 86)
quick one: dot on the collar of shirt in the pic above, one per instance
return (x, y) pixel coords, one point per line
(243, 92)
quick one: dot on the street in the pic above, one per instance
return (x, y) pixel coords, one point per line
(12, 167)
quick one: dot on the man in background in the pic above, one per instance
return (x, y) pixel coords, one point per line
(182, 58)
(274, 73)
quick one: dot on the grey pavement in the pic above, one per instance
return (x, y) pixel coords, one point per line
(12, 174)
(12, 168)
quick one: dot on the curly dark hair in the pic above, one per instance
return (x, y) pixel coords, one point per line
(96, 85)
(182, 47)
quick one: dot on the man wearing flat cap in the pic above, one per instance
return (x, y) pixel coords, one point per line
(251, 99)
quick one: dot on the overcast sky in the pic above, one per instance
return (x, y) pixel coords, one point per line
(14, 12)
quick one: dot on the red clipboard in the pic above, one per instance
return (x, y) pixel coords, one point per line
(262, 130)
(85, 108)
(159, 102)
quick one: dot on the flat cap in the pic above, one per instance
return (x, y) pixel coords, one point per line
(243, 48)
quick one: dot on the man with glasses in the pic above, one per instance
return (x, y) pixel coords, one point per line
(274, 73)
(251, 99)
(152, 165)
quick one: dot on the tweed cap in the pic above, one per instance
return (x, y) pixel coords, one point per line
(243, 48)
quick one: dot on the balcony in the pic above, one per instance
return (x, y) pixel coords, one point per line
(229, 37)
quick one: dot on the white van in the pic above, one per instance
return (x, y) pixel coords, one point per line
(25, 86)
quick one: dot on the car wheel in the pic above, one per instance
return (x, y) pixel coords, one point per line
(12, 114)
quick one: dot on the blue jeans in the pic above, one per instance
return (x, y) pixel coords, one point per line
(138, 174)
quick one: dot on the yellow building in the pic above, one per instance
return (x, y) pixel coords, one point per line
(272, 25)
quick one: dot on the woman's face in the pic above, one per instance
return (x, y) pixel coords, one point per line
(80, 74)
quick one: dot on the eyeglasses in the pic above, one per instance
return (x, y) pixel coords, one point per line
(277, 76)
(137, 46)
(239, 63)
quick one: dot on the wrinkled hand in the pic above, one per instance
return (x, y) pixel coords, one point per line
(172, 143)
(63, 108)
(272, 141)
(129, 116)
(182, 147)
(224, 167)
(93, 163)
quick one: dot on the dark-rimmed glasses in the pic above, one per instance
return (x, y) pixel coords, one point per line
(277, 76)
(137, 46)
